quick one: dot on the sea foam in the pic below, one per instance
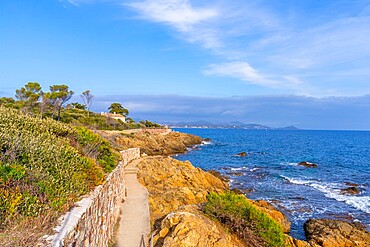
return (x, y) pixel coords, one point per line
(331, 190)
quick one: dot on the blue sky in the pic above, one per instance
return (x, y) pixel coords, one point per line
(220, 60)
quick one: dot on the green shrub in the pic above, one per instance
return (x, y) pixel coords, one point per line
(94, 146)
(244, 218)
(47, 165)
(79, 117)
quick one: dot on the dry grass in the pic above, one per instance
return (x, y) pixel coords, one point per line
(26, 232)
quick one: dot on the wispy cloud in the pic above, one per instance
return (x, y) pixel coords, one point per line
(183, 17)
(340, 42)
(240, 70)
(177, 13)
(285, 43)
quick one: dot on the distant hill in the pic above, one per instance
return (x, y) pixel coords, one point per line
(288, 128)
(229, 125)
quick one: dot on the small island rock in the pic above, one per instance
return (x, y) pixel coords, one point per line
(307, 164)
(350, 191)
(242, 154)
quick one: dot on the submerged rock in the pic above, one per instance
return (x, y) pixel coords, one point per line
(350, 191)
(207, 140)
(238, 174)
(351, 184)
(335, 233)
(247, 191)
(242, 154)
(307, 164)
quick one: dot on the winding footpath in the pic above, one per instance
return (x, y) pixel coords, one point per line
(134, 226)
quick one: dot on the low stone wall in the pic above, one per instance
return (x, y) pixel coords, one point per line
(92, 221)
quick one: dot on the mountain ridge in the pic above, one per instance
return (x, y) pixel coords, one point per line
(229, 125)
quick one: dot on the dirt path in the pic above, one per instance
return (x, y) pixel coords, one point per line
(135, 223)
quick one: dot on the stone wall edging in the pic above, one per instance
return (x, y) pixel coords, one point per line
(92, 221)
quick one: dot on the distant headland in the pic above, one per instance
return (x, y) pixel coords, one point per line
(228, 125)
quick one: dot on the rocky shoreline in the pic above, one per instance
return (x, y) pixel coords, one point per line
(177, 191)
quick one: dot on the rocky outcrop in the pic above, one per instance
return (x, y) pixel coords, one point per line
(292, 242)
(336, 233)
(274, 213)
(158, 143)
(307, 164)
(172, 183)
(242, 154)
(351, 184)
(189, 227)
(350, 191)
(237, 174)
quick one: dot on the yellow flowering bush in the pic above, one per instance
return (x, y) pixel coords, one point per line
(47, 165)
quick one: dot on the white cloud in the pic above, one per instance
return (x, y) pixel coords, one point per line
(177, 13)
(245, 72)
(338, 42)
(193, 24)
(293, 79)
(240, 70)
(278, 37)
(183, 17)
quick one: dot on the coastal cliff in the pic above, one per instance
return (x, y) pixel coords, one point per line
(151, 142)
(178, 192)
(175, 188)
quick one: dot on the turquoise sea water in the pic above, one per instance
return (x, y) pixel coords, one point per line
(270, 169)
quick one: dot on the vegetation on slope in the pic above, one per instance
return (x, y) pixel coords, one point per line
(46, 165)
(246, 220)
(91, 120)
(31, 99)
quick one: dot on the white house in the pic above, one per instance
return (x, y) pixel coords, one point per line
(114, 116)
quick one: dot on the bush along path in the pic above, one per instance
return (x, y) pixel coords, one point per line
(134, 227)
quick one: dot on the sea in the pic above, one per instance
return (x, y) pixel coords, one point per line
(270, 171)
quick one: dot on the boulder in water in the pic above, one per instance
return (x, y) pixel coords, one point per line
(350, 191)
(242, 154)
(307, 164)
(351, 184)
(237, 174)
(207, 139)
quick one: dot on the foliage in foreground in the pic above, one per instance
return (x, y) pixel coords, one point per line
(244, 218)
(46, 165)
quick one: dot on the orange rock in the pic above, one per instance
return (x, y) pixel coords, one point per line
(336, 233)
(274, 213)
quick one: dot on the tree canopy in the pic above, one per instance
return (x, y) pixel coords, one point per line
(29, 94)
(59, 94)
(118, 108)
(87, 97)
